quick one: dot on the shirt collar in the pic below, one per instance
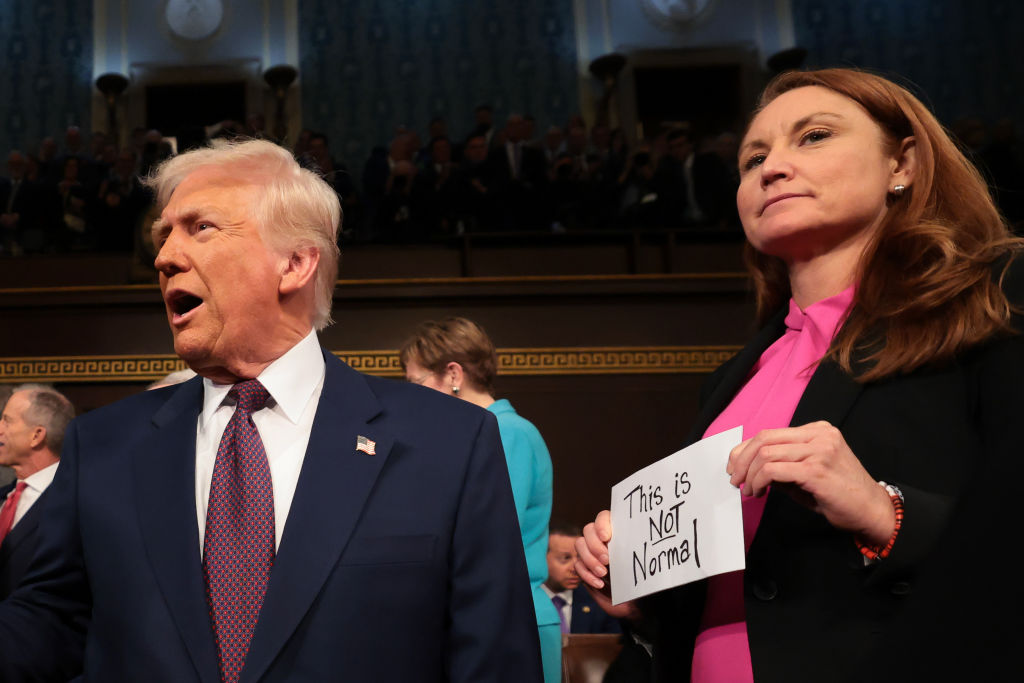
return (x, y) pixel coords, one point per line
(565, 595)
(826, 316)
(290, 380)
(38, 481)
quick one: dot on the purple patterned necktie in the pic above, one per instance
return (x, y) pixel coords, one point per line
(238, 548)
(559, 604)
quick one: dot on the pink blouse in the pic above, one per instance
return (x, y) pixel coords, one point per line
(767, 401)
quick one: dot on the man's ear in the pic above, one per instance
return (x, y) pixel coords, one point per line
(905, 163)
(299, 270)
(38, 437)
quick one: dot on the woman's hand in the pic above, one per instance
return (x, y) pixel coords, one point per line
(821, 472)
(592, 564)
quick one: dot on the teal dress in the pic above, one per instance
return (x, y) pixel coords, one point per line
(529, 468)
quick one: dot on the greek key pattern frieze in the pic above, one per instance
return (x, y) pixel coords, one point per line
(384, 363)
(88, 368)
(611, 360)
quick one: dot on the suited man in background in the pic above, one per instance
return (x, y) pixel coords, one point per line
(693, 185)
(32, 428)
(577, 610)
(281, 517)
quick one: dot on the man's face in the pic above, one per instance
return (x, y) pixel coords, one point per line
(47, 149)
(476, 150)
(16, 436)
(562, 563)
(219, 277)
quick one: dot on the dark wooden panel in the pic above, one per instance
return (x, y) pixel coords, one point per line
(600, 429)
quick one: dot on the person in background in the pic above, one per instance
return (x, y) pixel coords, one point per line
(456, 357)
(889, 373)
(32, 428)
(576, 609)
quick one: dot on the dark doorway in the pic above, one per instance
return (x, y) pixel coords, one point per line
(708, 97)
(182, 110)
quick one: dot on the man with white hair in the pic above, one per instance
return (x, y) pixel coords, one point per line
(32, 428)
(281, 517)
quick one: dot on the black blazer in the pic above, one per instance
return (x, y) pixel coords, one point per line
(814, 610)
(19, 546)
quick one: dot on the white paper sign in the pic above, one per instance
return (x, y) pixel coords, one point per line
(676, 521)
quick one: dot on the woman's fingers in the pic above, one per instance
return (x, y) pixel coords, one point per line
(603, 526)
(743, 456)
(592, 550)
(588, 568)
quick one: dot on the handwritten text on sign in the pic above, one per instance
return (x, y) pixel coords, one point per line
(676, 521)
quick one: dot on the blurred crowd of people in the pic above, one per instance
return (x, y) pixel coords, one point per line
(86, 196)
(512, 178)
(79, 195)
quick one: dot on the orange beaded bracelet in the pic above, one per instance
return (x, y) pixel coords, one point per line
(874, 552)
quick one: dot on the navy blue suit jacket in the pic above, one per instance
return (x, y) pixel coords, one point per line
(19, 545)
(588, 617)
(390, 568)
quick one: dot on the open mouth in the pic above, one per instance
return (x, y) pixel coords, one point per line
(182, 303)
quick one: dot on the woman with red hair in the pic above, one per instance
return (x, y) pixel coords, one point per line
(888, 370)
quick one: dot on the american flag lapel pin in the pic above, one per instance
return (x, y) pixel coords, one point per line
(368, 446)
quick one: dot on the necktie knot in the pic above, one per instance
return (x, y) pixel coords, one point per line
(251, 396)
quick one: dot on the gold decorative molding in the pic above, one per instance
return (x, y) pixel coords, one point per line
(53, 369)
(612, 360)
(384, 363)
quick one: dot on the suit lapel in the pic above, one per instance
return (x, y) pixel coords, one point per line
(25, 527)
(829, 396)
(332, 489)
(164, 471)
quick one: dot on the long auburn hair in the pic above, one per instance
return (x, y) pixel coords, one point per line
(925, 290)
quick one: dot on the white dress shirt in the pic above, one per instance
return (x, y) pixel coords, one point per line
(35, 484)
(294, 382)
(566, 609)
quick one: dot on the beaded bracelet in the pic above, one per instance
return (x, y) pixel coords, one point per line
(874, 552)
